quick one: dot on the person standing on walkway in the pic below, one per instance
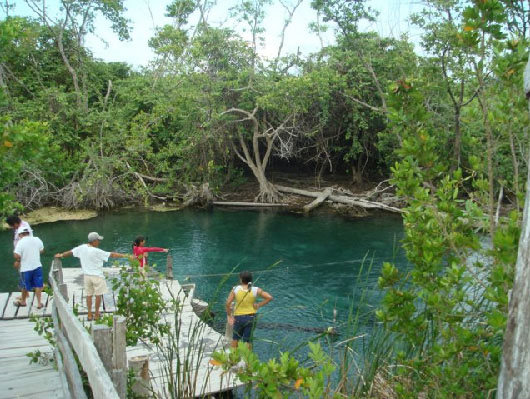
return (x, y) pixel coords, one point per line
(27, 260)
(140, 252)
(16, 224)
(243, 316)
(92, 258)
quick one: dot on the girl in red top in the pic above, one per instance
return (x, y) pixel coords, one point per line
(141, 252)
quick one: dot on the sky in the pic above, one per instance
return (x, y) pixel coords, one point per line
(147, 15)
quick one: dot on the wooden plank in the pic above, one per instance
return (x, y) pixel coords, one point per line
(62, 375)
(71, 298)
(23, 312)
(81, 341)
(11, 310)
(48, 309)
(119, 356)
(4, 296)
(70, 365)
(29, 384)
(40, 312)
(80, 301)
(109, 305)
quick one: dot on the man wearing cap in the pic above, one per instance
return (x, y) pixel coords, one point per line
(27, 260)
(92, 259)
(16, 224)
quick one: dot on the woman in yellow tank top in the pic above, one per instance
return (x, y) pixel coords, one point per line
(245, 307)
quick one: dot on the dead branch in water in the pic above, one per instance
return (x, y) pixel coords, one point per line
(342, 199)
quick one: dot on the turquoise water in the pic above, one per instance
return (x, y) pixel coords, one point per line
(319, 259)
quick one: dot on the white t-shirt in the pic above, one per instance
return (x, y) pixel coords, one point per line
(91, 258)
(29, 250)
(23, 225)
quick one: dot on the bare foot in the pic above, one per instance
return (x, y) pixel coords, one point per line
(89, 317)
(96, 316)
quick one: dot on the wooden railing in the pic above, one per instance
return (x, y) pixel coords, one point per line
(102, 355)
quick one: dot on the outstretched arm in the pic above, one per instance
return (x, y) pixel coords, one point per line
(63, 254)
(266, 299)
(154, 249)
(118, 255)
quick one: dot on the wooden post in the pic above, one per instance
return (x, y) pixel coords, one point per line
(102, 336)
(140, 367)
(57, 266)
(57, 270)
(169, 268)
(119, 356)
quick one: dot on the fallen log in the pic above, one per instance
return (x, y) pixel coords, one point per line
(319, 200)
(342, 199)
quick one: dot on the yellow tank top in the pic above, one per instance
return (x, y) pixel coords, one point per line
(245, 301)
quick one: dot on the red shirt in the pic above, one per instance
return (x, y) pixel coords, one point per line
(140, 251)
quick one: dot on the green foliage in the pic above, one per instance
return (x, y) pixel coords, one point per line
(21, 143)
(140, 301)
(283, 377)
(44, 327)
(450, 309)
(42, 358)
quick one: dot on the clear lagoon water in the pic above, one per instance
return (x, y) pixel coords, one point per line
(309, 264)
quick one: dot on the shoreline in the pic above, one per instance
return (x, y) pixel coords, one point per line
(292, 202)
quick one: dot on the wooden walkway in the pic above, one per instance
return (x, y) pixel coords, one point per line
(18, 378)
(196, 341)
(192, 345)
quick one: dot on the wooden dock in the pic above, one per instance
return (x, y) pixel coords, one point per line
(177, 367)
(19, 378)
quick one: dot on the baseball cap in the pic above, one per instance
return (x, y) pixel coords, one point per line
(24, 230)
(94, 236)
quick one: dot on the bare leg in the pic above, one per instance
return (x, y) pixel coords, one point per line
(38, 294)
(23, 297)
(234, 343)
(98, 304)
(89, 306)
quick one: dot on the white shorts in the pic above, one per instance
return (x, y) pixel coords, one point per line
(95, 285)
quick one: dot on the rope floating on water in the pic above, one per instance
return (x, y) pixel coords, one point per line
(274, 269)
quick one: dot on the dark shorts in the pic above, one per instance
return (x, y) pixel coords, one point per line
(32, 279)
(244, 327)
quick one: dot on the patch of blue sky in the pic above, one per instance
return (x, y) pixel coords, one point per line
(147, 15)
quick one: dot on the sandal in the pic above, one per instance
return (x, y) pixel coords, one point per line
(19, 303)
(90, 318)
(40, 306)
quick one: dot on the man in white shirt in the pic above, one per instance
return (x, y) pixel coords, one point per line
(27, 260)
(92, 259)
(17, 225)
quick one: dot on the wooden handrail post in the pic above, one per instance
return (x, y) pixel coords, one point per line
(57, 270)
(119, 356)
(140, 367)
(102, 336)
(169, 268)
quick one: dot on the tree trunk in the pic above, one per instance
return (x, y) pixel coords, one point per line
(267, 191)
(514, 378)
(457, 145)
(515, 164)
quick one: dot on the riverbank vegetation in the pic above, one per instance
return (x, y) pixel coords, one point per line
(444, 119)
